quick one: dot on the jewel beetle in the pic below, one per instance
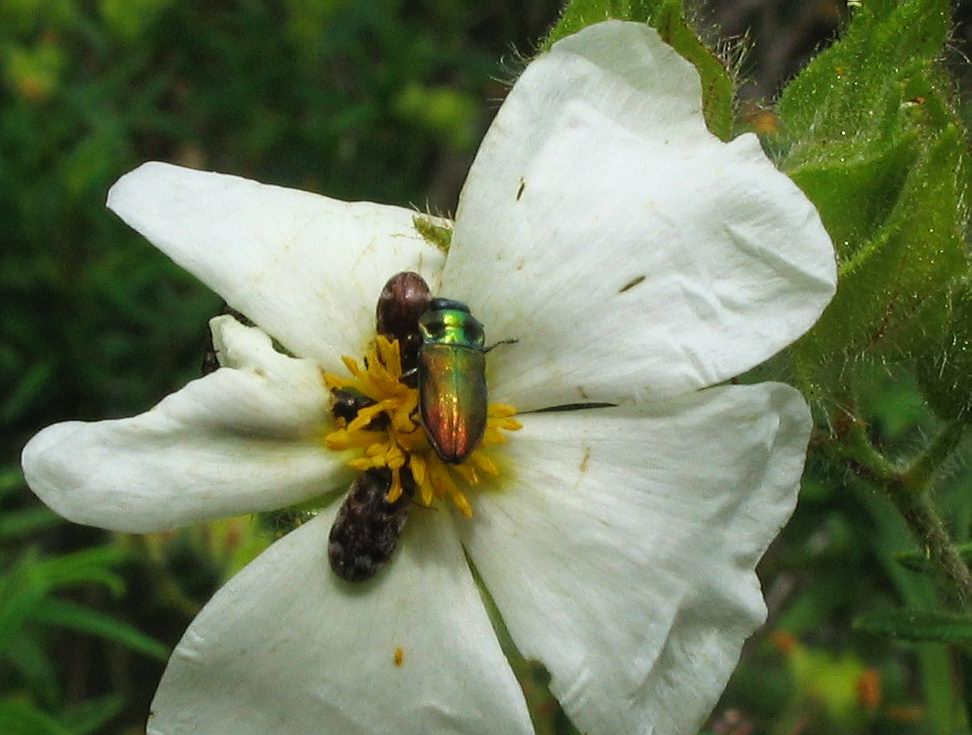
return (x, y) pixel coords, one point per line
(452, 379)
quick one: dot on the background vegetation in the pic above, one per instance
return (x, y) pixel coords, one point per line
(386, 100)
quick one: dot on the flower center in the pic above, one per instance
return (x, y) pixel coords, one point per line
(387, 431)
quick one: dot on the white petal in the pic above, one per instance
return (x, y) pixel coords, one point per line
(306, 268)
(244, 438)
(622, 554)
(631, 252)
(288, 648)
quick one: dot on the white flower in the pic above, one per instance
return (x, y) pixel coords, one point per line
(638, 260)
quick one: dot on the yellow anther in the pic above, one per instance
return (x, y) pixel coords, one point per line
(428, 494)
(508, 424)
(395, 491)
(333, 381)
(492, 436)
(500, 410)
(352, 365)
(467, 473)
(416, 463)
(462, 503)
(483, 462)
(365, 415)
(344, 439)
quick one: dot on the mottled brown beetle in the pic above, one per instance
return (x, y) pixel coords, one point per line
(367, 527)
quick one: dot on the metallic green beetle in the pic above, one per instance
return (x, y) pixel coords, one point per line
(452, 379)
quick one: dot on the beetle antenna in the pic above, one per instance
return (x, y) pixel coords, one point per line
(501, 342)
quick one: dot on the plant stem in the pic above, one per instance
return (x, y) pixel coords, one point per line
(918, 475)
(908, 490)
(930, 532)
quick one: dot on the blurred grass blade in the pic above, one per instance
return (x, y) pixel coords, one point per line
(67, 614)
(19, 523)
(21, 718)
(85, 566)
(25, 394)
(26, 656)
(30, 581)
(18, 600)
(11, 480)
(92, 715)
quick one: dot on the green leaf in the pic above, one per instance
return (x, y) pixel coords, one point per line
(66, 614)
(92, 715)
(852, 192)
(26, 392)
(20, 523)
(11, 480)
(946, 380)
(886, 282)
(22, 718)
(668, 18)
(870, 132)
(88, 566)
(24, 587)
(18, 599)
(911, 624)
(36, 669)
(848, 92)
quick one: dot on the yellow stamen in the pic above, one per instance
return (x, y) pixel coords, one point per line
(417, 465)
(484, 463)
(352, 365)
(395, 491)
(333, 381)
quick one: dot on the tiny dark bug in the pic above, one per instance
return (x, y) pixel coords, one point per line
(367, 526)
(210, 361)
(346, 402)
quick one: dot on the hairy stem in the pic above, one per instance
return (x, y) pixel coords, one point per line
(918, 476)
(908, 490)
(930, 532)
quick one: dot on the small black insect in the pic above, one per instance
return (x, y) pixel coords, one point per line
(210, 361)
(347, 402)
(367, 526)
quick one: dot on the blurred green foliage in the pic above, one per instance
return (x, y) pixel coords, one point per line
(35, 605)
(385, 100)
